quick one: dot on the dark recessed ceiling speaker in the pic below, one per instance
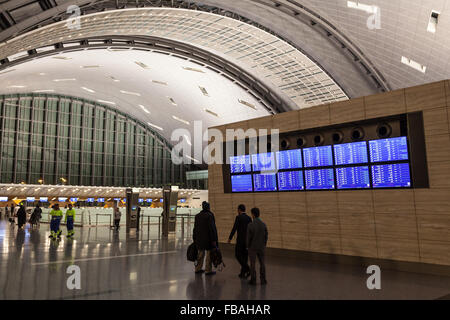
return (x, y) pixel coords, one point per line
(357, 134)
(318, 139)
(384, 130)
(284, 144)
(301, 142)
(337, 137)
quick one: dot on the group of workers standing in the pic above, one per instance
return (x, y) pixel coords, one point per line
(252, 236)
(56, 217)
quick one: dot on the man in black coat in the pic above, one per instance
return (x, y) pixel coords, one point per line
(257, 236)
(240, 225)
(205, 238)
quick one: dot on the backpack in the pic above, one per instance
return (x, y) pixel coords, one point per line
(216, 259)
(192, 253)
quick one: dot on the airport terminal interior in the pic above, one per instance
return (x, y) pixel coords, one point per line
(124, 123)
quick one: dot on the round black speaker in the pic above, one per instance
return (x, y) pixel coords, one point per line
(284, 144)
(337, 137)
(318, 139)
(301, 142)
(384, 130)
(357, 134)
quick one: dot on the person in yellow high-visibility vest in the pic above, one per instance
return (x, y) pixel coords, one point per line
(70, 219)
(56, 215)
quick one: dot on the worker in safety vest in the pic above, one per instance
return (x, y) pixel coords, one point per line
(69, 219)
(56, 215)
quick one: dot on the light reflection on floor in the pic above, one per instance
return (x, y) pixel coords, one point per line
(116, 266)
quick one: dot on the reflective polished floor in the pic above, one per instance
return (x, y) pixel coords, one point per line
(114, 266)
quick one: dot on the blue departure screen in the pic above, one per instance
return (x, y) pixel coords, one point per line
(265, 182)
(90, 200)
(351, 153)
(240, 164)
(392, 149)
(241, 183)
(318, 156)
(352, 178)
(101, 200)
(319, 179)
(263, 161)
(290, 180)
(391, 176)
(289, 159)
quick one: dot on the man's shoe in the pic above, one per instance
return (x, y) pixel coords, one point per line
(247, 274)
(252, 282)
(241, 275)
(199, 271)
(263, 281)
(211, 273)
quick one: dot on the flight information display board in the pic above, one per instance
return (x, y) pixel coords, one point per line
(318, 156)
(263, 161)
(392, 149)
(265, 182)
(350, 153)
(289, 159)
(290, 180)
(240, 164)
(353, 178)
(320, 179)
(391, 176)
(241, 183)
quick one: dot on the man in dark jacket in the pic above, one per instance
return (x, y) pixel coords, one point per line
(205, 238)
(21, 216)
(240, 225)
(257, 236)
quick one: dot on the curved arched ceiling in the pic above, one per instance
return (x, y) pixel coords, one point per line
(163, 91)
(297, 78)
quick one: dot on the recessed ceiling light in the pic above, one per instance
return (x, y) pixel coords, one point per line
(154, 126)
(42, 74)
(114, 79)
(432, 23)
(16, 86)
(181, 120)
(44, 90)
(413, 64)
(62, 58)
(211, 112)
(88, 90)
(107, 102)
(172, 101)
(203, 90)
(143, 108)
(160, 82)
(141, 64)
(248, 104)
(130, 93)
(61, 80)
(193, 69)
(89, 67)
(11, 70)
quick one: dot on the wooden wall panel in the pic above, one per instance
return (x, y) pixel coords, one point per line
(385, 104)
(288, 121)
(347, 111)
(436, 121)
(314, 117)
(294, 221)
(439, 174)
(434, 227)
(402, 225)
(425, 97)
(268, 204)
(435, 252)
(438, 147)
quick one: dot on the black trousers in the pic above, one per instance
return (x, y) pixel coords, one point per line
(262, 266)
(242, 257)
